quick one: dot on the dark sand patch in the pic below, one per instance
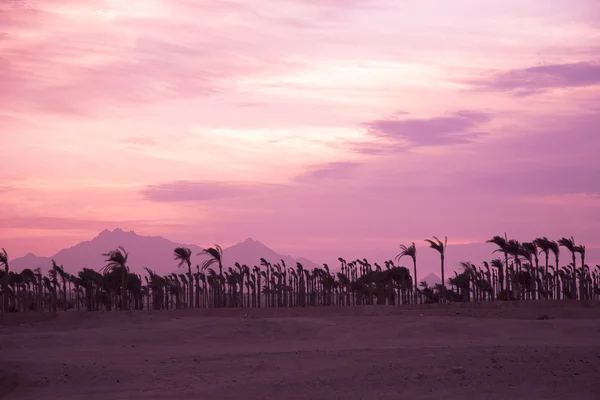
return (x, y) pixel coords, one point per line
(9, 382)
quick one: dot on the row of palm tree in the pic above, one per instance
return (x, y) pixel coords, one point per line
(516, 276)
(527, 278)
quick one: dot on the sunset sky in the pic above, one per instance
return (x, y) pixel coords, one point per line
(314, 126)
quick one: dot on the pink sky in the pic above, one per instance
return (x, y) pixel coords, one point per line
(316, 127)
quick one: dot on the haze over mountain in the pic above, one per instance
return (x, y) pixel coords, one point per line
(154, 252)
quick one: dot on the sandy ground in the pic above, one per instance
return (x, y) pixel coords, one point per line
(499, 351)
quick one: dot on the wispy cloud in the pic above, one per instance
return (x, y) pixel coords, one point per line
(528, 81)
(198, 191)
(92, 54)
(457, 128)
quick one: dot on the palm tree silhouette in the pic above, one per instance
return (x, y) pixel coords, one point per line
(501, 242)
(584, 271)
(545, 246)
(529, 251)
(499, 265)
(440, 247)
(569, 244)
(60, 273)
(410, 251)
(555, 249)
(184, 256)
(515, 250)
(216, 257)
(4, 262)
(117, 262)
(53, 276)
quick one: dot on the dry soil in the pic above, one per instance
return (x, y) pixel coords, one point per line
(532, 350)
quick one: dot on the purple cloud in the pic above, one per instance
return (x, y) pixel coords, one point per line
(527, 81)
(555, 156)
(191, 191)
(137, 76)
(458, 128)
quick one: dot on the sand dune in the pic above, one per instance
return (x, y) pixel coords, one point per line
(494, 351)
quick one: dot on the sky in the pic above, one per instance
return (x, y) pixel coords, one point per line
(318, 127)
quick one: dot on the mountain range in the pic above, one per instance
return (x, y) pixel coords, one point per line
(154, 252)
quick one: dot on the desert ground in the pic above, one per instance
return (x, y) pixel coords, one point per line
(531, 350)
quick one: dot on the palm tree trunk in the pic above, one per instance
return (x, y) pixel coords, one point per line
(416, 280)
(5, 289)
(123, 289)
(191, 286)
(65, 305)
(197, 283)
(546, 277)
(574, 278)
(507, 276)
(443, 297)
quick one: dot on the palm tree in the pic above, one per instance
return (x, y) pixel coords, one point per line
(514, 248)
(184, 256)
(440, 247)
(498, 264)
(555, 249)
(53, 276)
(60, 273)
(410, 251)
(569, 244)
(466, 281)
(216, 256)
(529, 251)
(545, 246)
(501, 242)
(584, 271)
(117, 261)
(4, 261)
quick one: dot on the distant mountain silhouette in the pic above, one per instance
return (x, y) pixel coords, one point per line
(431, 279)
(31, 261)
(251, 251)
(157, 253)
(154, 252)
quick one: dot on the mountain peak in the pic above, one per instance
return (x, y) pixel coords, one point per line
(116, 231)
(250, 241)
(431, 279)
